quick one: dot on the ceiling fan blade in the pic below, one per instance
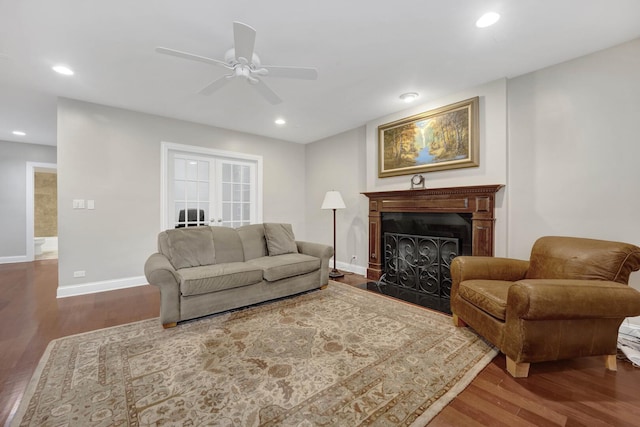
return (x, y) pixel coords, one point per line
(190, 56)
(215, 85)
(267, 92)
(304, 73)
(244, 38)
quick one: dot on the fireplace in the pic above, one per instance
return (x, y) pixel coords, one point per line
(414, 235)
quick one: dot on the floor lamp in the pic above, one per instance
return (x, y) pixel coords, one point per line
(333, 200)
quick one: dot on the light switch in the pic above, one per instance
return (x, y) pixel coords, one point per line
(91, 204)
(78, 203)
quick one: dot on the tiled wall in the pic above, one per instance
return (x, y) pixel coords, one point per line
(46, 205)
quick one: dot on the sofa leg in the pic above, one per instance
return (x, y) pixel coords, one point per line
(323, 287)
(169, 325)
(517, 370)
(458, 322)
(611, 362)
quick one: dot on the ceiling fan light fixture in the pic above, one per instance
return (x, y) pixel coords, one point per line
(487, 20)
(63, 69)
(409, 97)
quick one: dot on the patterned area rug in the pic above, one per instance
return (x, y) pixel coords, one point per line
(335, 357)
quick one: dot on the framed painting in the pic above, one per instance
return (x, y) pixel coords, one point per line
(440, 139)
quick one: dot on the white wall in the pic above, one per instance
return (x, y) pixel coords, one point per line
(112, 156)
(574, 150)
(13, 186)
(338, 163)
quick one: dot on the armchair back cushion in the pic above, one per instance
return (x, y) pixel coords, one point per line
(582, 259)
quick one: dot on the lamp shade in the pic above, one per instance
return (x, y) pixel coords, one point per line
(333, 200)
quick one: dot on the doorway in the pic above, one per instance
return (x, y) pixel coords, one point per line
(42, 211)
(202, 186)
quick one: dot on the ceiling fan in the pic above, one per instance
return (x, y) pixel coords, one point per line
(245, 63)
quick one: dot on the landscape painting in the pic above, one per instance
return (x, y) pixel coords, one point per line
(444, 138)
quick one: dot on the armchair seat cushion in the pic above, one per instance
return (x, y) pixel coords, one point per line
(217, 277)
(284, 266)
(489, 296)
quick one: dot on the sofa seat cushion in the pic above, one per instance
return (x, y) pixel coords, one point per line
(217, 277)
(287, 265)
(489, 296)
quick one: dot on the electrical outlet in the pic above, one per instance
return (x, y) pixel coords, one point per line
(79, 273)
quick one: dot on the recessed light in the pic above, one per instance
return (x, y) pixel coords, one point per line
(280, 122)
(487, 20)
(18, 133)
(409, 97)
(63, 69)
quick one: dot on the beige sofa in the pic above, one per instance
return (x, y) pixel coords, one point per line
(206, 270)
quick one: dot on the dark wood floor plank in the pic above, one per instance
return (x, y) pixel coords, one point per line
(573, 393)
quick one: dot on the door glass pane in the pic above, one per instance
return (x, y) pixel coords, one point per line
(226, 211)
(203, 191)
(246, 193)
(179, 167)
(192, 191)
(226, 172)
(237, 173)
(192, 170)
(203, 170)
(179, 190)
(246, 174)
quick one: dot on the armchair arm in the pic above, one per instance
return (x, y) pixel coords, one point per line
(324, 252)
(487, 268)
(159, 272)
(555, 299)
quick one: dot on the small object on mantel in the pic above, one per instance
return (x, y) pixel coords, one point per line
(417, 181)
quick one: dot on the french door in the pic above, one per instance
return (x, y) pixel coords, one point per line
(211, 189)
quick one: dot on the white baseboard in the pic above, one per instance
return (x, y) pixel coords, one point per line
(94, 287)
(12, 259)
(350, 267)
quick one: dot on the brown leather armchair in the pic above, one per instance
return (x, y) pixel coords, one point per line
(567, 301)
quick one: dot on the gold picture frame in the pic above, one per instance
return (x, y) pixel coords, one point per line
(439, 139)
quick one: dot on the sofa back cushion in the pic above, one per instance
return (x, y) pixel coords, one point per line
(253, 241)
(280, 239)
(188, 247)
(554, 257)
(228, 245)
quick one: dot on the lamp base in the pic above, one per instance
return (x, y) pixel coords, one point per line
(334, 274)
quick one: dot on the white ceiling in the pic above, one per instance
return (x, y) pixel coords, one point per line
(367, 53)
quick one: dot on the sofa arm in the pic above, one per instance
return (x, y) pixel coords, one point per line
(324, 252)
(159, 272)
(554, 299)
(486, 268)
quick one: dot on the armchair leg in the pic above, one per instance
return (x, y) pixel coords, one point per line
(458, 322)
(169, 325)
(611, 362)
(517, 370)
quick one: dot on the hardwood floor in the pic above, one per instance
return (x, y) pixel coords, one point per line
(577, 392)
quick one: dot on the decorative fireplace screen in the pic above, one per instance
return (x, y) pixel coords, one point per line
(419, 263)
